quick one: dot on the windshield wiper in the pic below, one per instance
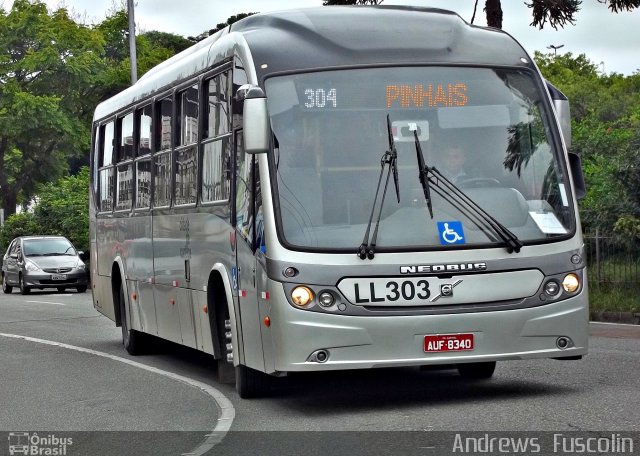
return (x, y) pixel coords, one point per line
(423, 171)
(458, 199)
(389, 162)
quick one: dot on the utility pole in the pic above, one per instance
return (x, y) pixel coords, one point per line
(132, 43)
(555, 48)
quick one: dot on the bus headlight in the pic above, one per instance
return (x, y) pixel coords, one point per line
(301, 296)
(326, 299)
(551, 288)
(570, 283)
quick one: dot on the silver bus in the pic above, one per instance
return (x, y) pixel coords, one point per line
(341, 188)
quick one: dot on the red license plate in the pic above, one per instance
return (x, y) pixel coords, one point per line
(448, 342)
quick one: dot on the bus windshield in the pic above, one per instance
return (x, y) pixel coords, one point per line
(486, 130)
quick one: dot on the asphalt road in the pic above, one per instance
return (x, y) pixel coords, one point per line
(172, 409)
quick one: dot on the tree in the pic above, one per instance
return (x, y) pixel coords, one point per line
(63, 208)
(556, 13)
(152, 48)
(49, 68)
(605, 113)
(220, 26)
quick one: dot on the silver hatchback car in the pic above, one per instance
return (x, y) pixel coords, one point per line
(43, 262)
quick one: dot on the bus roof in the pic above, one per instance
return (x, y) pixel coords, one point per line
(307, 39)
(331, 37)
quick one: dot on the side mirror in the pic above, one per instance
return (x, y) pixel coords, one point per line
(575, 163)
(256, 119)
(84, 256)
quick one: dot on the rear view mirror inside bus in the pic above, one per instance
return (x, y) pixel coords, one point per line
(256, 121)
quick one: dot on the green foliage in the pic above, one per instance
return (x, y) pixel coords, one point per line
(605, 113)
(168, 41)
(21, 224)
(49, 66)
(231, 20)
(62, 209)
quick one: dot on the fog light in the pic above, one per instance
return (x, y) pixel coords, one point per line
(326, 299)
(301, 296)
(551, 288)
(571, 283)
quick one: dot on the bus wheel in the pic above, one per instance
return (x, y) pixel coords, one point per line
(250, 383)
(132, 340)
(477, 371)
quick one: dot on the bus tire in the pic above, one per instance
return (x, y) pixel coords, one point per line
(132, 340)
(477, 371)
(226, 372)
(250, 383)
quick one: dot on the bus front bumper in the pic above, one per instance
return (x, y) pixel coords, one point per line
(389, 341)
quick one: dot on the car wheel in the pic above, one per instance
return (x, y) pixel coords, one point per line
(81, 289)
(477, 371)
(6, 288)
(23, 288)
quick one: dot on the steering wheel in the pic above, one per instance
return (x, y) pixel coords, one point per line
(479, 182)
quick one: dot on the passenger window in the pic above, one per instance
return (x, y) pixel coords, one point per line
(124, 196)
(164, 125)
(188, 116)
(186, 174)
(107, 144)
(126, 138)
(145, 130)
(162, 183)
(143, 183)
(216, 178)
(218, 106)
(106, 173)
(186, 158)
(162, 157)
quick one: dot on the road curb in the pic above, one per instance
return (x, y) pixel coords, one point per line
(630, 318)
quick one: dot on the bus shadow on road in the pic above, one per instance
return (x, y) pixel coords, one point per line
(322, 393)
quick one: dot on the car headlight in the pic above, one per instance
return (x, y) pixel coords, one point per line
(31, 266)
(80, 266)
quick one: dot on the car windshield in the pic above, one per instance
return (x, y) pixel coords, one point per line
(486, 130)
(47, 247)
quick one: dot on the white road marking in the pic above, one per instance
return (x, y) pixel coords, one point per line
(47, 302)
(227, 411)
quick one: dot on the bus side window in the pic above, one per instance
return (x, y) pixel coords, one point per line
(105, 163)
(186, 154)
(144, 130)
(218, 106)
(216, 151)
(124, 186)
(162, 156)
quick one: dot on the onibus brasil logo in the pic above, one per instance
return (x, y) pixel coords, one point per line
(33, 444)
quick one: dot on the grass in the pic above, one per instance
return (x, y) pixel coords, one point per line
(614, 297)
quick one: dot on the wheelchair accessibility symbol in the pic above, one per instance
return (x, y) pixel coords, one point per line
(451, 233)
